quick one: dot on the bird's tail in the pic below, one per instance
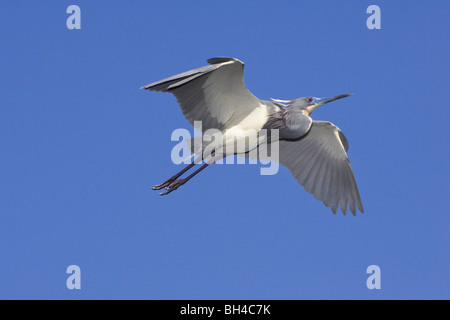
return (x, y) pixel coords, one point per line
(196, 145)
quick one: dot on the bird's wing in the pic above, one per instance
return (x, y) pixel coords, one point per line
(319, 162)
(214, 94)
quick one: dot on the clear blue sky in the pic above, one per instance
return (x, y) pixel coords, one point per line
(81, 146)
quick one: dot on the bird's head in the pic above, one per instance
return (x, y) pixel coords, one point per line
(308, 104)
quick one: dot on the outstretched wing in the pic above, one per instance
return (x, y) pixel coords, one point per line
(319, 162)
(214, 94)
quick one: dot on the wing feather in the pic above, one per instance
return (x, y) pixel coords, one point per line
(215, 94)
(319, 162)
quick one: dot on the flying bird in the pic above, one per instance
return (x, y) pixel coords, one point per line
(315, 152)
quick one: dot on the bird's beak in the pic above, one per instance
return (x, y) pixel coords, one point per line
(321, 101)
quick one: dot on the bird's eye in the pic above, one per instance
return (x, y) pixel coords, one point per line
(310, 99)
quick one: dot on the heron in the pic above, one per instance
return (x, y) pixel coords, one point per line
(315, 152)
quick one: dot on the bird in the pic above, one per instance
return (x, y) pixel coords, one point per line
(315, 152)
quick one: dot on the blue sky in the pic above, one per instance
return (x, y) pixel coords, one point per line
(81, 146)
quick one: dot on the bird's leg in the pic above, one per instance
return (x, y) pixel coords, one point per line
(172, 179)
(178, 183)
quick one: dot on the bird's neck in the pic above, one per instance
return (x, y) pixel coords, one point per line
(297, 124)
(291, 124)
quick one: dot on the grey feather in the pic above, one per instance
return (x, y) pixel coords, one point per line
(319, 162)
(222, 60)
(215, 94)
(314, 151)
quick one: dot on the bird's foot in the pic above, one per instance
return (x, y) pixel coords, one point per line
(163, 185)
(173, 186)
